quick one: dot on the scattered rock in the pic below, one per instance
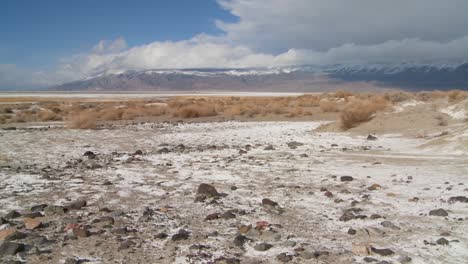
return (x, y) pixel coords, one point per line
(269, 202)
(81, 231)
(38, 208)
(76, 205)
(438, 212)
(161, 235)
(404, 259)
(206, 191)
(442, 241)
(328, 194)
(240, 240)
(212, 216)
(371, 138)
(163, 151)
(269, 147)
(391, 225)
(369, 259)
(12, 215)
(347, 217)
(306, 255)
(138, 152)
(228, 215)
(375, 216)
(32, 215)
(8, 248)
(244, 228)
(32, 223)
(89, 154)
(54, 209)
(284, 257)
(460, 199)
(351, 231)
(360, 249)
(233, 188)
(346, 178)
(263, 246)
(181, 235)
(374, 187)
(382, 251)
(127, 244)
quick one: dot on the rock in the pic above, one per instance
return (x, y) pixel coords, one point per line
(261, 224)
(369, 259)
(6, 234)
(120, 231)
(233, 188)
(3, 221)
(240, 240)
(163, 151)
(404, 259)
(438, 212)
(347, 217)
(389, 224)
(263, 246)
(351, 231)
(460, 199)
(32, 223)
(294, 144)
(382, 251)
(138, 152)
(375, 216)
(445, 234)
(328, 194)
(212, 216)
(206, 191)
(269, 147)
(284, 257)
(38, 207)
(289, 243)
(181, 235)
(126, 244)
(228, 215)
(81, 231)
(360, 249)
(374, 187)
(269, 202)
(32, 215)
(244, 228)
(89, 154)
(76, 205)
(161, 235)
(371, 138)
(346, 178)
(54, 209)
(8, 248)
(12, 215)
(442, 241)
(306, 255)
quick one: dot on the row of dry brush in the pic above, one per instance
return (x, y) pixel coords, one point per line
(351, 108)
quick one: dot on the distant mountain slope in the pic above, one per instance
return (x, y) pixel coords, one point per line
(301, 78)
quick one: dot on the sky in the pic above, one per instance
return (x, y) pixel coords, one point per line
(50, 42)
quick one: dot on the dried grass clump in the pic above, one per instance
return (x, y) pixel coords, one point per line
(457, 95)
(47, 115)
(328, 106)
(83, 120)
(194, 111)
(358, 111)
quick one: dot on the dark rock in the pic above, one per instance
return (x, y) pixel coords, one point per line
(54, 209)
(33, 215)
(375, 216)
(328, 194)
(284, 257)
(81, 231)
(269, 202)
(163, 151)
(382, 251)
(3, 221)
(294, 144)
(346, 178)
(269, 147)
(161, 235)
(404, 259)
(351, 231)
(460, 199)
(233, 188)
(391, 225)
(347, 217)
(126, 244)
(12, 215)
(120, 231)
(263, 246)
(181, 235)
(438, 212)
(206, 191)
(323, 189)
(374, 187)
(228, 215)
(76, 205)
(38, 208)
(89, 154)
(369, 259)
(138, 152)
(442, 241)
(240, 240)
(212, 216)
(8, 248)
(371, 138)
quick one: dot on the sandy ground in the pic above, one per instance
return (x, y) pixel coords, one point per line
(153, 192)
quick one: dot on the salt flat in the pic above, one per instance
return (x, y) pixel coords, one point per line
(145, 177)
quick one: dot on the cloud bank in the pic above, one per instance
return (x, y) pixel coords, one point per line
(277, 33)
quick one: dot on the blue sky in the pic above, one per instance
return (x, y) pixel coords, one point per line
(47, 42)
(35, 33)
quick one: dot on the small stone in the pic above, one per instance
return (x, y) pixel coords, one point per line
(228, 215)
(346, 178)
(76, 205)
(369, 259)
(163, 151)
(181, 235)
(269, 202)
(360, 249)
(38, 208)
(89, 154)
(263, 246)
(81, 231)
(374, 187)
(284, 257)
(32, 215)
(12, 215)
(161, 235)
(120, 231)
(126, 244)
(460, 199)
(240, 240)
(233, 188)
(212, 216)
(32, 223)
(445, 234)
(438, 212)
(414, 199)
(54, 209)
(328, 194)
(206, 191)
(383, 251)
(347, 217)
(269, 147)
(375, 216)
(10, 248)
(351, 231)
(138, 152)
(323, 189)
(442, 241)
(371, 138)
(389, 224)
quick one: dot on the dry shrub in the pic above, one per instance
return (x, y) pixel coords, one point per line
(83, 120)
(441, 121)
(358, 111)
(111, 114)
(457, 95)
(308, 100)
(3, 119)
(329, 106)
(398, 97)
(341, 94)
(194, 111)
(47, 115)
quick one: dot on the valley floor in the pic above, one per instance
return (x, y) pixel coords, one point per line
(139, 184)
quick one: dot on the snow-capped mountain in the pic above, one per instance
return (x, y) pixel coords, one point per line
(291, 78)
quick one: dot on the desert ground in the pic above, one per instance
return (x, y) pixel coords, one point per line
(329, 178)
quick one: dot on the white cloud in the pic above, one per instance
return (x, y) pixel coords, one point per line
(278, 32)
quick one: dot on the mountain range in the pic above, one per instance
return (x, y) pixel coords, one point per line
(293, 78)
